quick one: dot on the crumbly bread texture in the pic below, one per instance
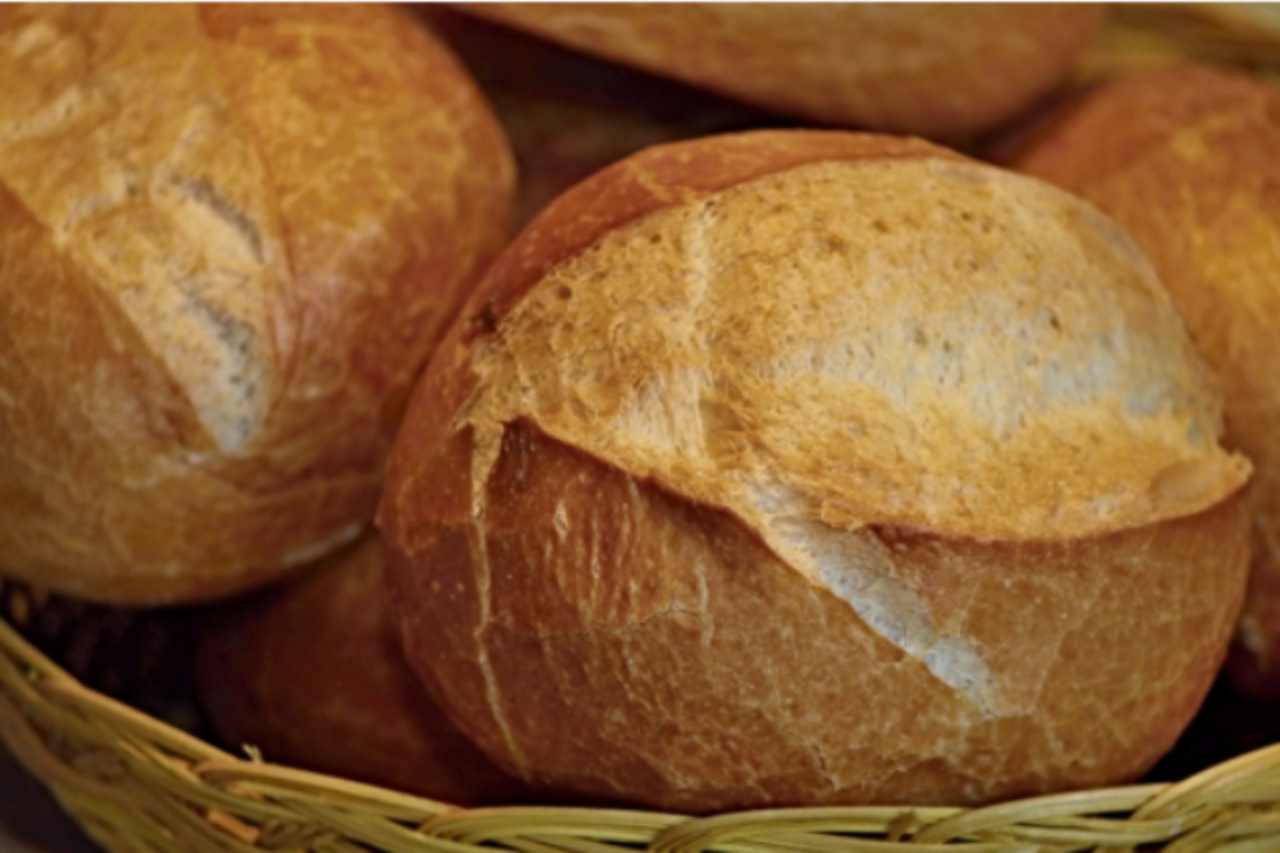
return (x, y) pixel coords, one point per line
(945, 70)
(229, 238)
(804, 467)
(1185, 159)
(312, 674)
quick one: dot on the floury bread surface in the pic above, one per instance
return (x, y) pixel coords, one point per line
(229, 237)
(801, 467)
(943, 70)
(1186, 160)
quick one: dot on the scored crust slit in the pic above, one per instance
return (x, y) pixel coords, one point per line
(805, 467)
(230, 236)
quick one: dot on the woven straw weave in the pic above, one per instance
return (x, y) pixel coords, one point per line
(136, 784)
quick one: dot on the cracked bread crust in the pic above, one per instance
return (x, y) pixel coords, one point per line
(1185, 160)
(598, 634)
(229, 237)
(663, 528)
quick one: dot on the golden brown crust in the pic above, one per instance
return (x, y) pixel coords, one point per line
(700, 252)
(663, 655)
(234, 204)
(1185, 159)
(666, 176)
(944, 71)
(629, 562)
(312, 674)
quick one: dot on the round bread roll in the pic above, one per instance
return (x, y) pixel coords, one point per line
(1185, 160)
(943, 70)
(812, 467)
(229, 238)
(313, 675)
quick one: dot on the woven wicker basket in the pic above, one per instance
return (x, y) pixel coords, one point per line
(137, 784)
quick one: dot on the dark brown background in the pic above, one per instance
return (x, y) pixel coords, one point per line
(30, 820)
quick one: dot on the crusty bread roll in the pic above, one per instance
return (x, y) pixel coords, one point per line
(1185, 159)
(805, 467)
(943, 70)
(312, 674)
(229, 237)
(576, 114)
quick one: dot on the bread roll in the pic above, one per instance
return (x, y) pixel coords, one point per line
(1185, 160)
(943, 70)
(804, 467)
(229, 237)
(575, 114)
(312, 674)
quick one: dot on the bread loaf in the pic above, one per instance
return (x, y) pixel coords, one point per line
(942, 70)
(812, 467)
(313, 676)
(229, 237)
(1185, 160)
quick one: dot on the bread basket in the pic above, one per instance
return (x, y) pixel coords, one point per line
(136, 783)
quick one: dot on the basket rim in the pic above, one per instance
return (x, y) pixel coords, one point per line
(215, 800)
